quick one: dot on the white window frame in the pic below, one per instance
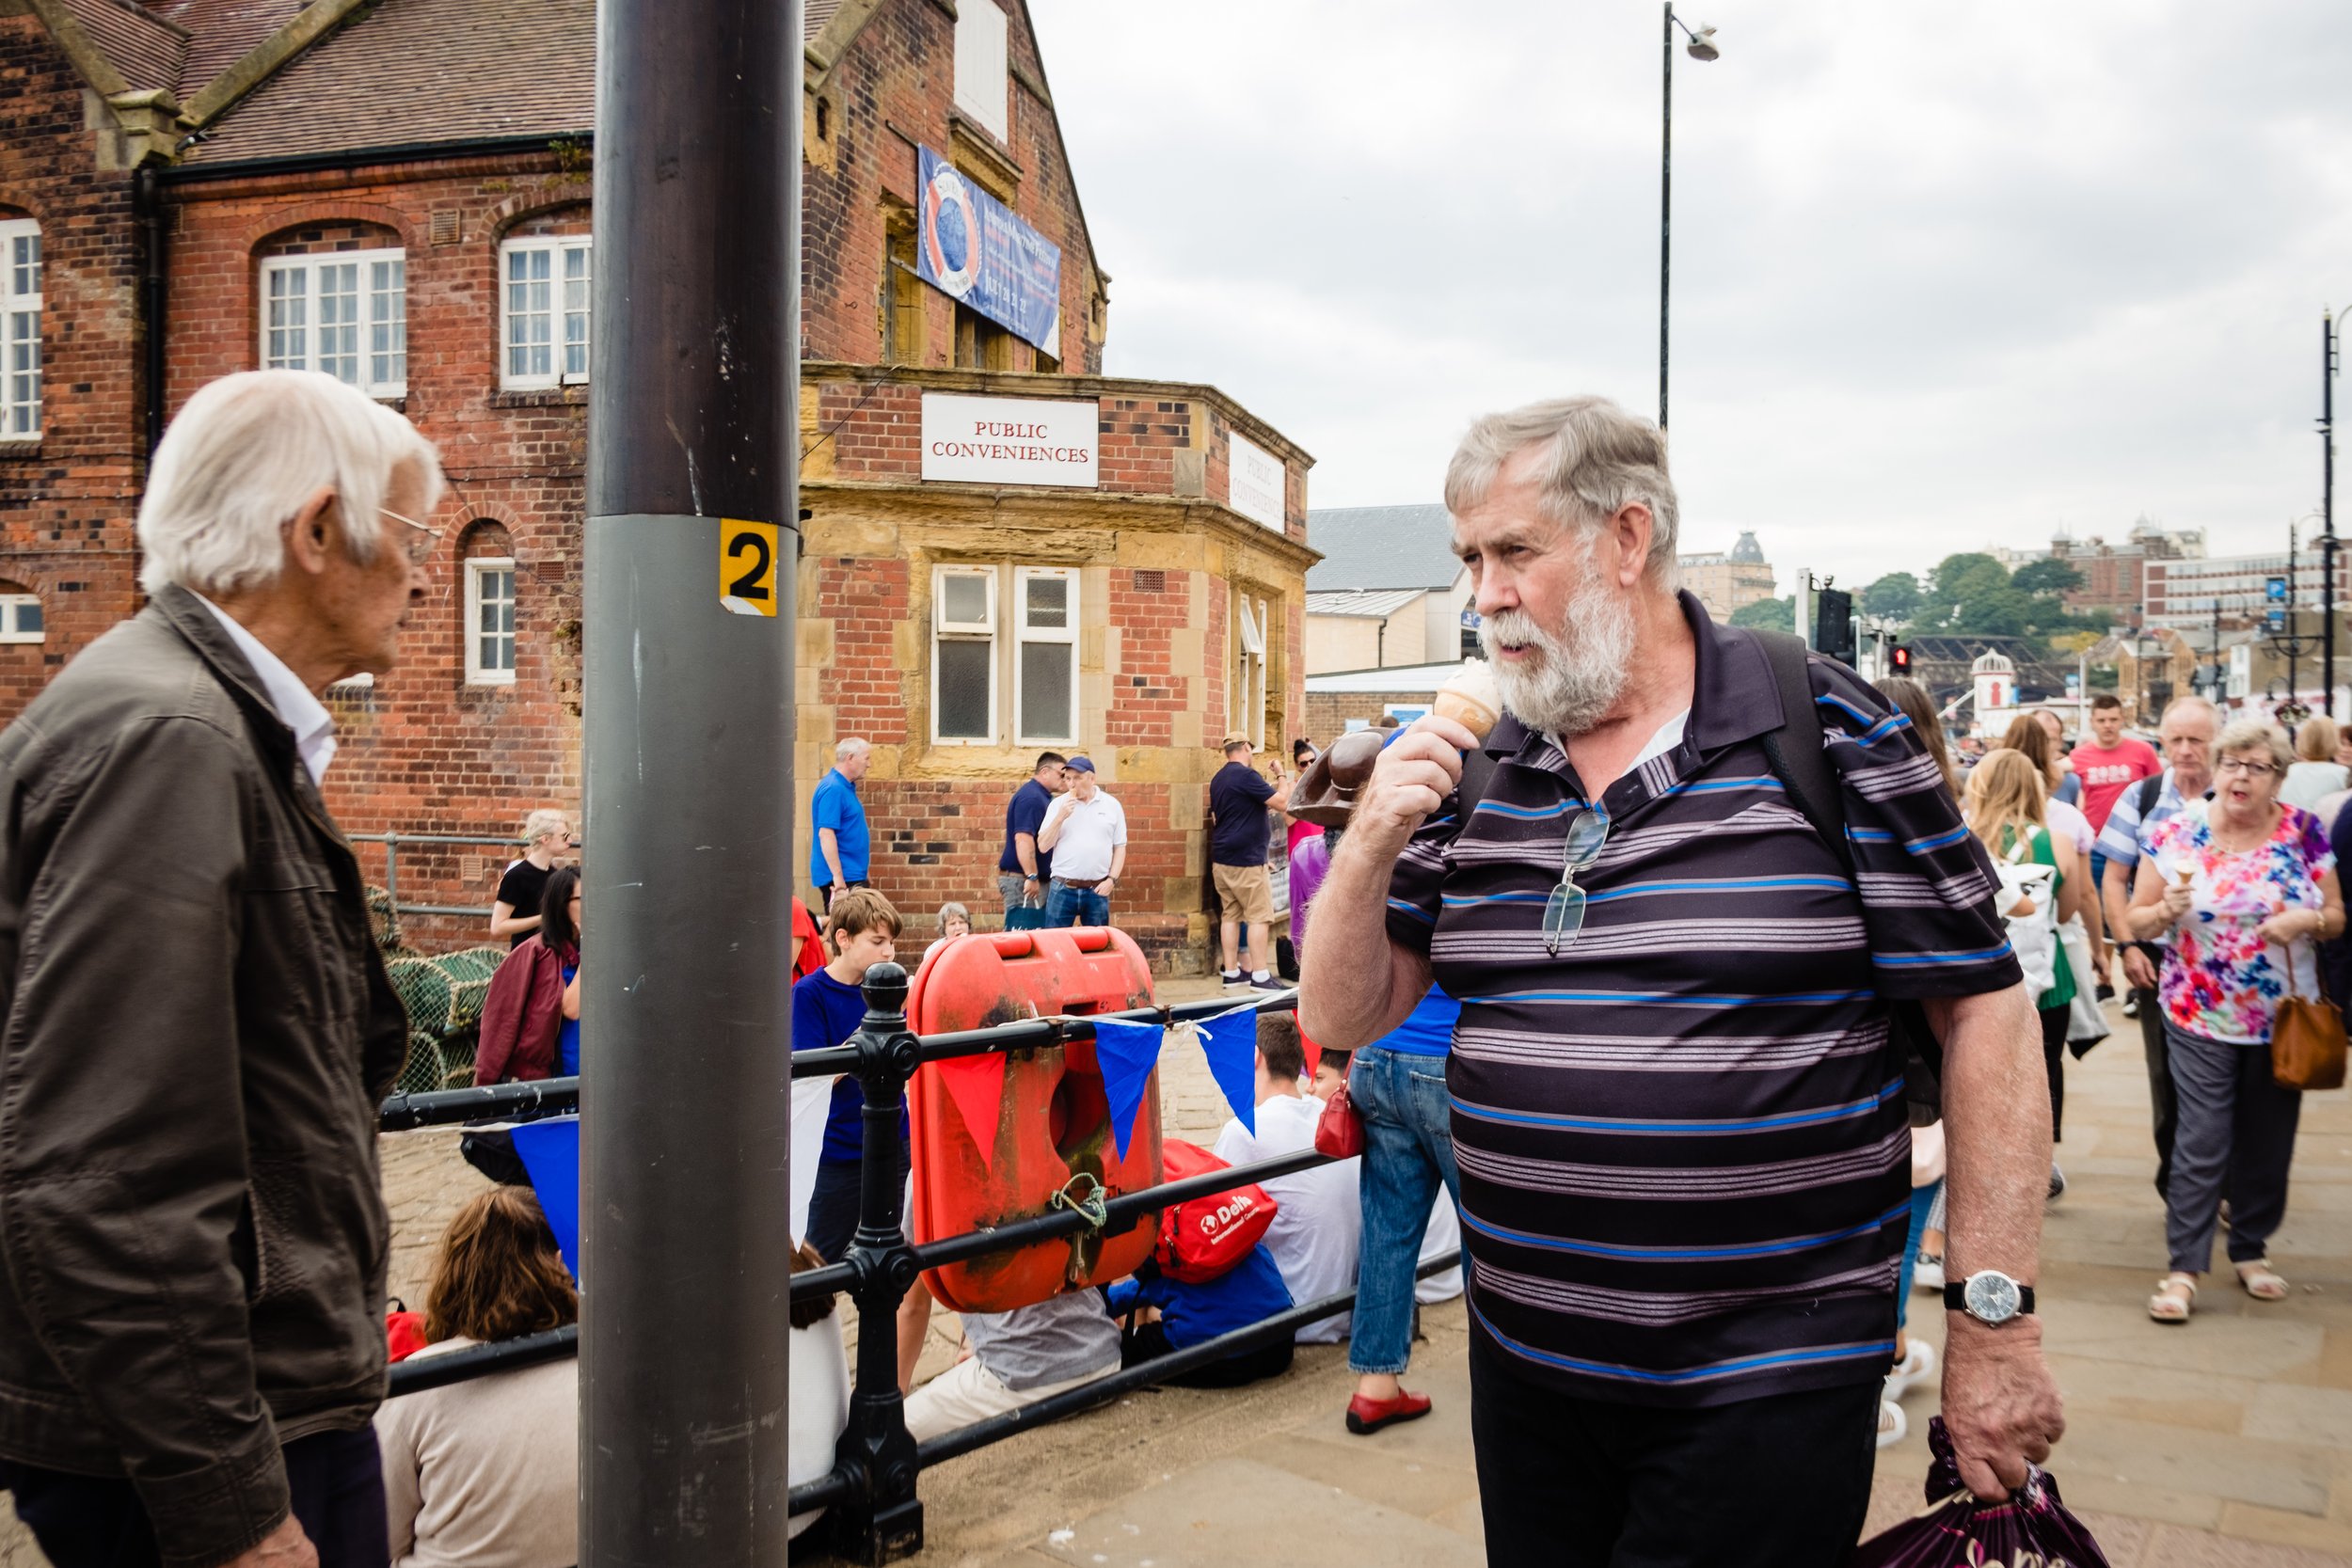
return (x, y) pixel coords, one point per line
(380, 341)
(11, 606)
(1062, 642)
(983, 72)
(983, 630)
(1250, 624)
(20, 332)
(562, 251)
(478, 567)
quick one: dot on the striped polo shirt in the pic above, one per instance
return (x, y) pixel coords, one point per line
(1684, 1153)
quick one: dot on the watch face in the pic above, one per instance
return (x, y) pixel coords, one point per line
(1992, 1297)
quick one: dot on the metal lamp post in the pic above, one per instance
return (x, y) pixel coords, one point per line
(2330, 343)
(1702, 47)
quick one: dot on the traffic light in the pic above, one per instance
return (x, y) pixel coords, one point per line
(1833, 625)
(1898, 660)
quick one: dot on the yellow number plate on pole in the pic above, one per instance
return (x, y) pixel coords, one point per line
(747, 567)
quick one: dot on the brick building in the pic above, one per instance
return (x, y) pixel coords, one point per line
(397, 193)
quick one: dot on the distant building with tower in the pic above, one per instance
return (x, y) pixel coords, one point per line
(1730, 580)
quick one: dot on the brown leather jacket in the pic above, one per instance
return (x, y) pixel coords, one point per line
(198, 1029)
(522, 1018)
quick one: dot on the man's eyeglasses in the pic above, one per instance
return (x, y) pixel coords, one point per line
(423, 542)
(2242, 765)
(1564, 911)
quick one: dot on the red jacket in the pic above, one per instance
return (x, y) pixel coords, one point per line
(521, 1017)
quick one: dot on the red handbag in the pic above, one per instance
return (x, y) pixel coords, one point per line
(1203, 1239)
(1339, 1132)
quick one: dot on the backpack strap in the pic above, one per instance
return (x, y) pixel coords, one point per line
(1794, 750)
(2150, 790)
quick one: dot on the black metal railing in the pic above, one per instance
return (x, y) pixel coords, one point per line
(876, 1513)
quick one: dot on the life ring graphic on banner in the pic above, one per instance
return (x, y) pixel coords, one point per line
(951, 232)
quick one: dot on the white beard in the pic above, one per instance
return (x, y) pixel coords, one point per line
(1579, 672)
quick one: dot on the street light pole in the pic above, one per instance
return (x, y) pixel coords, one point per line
(2328, 341)
(691, 542)
(1702, 48)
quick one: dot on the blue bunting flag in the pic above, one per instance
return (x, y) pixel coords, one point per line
(1127, 1053)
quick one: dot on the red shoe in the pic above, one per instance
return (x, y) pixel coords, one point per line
(1366, 1416)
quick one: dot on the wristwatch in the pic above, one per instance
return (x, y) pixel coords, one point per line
(1989, 1296)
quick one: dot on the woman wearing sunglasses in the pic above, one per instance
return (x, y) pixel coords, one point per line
(2242, 890)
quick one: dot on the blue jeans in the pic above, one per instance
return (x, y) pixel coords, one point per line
(1076, 906)
(1922, 1200)
(1409, 1150)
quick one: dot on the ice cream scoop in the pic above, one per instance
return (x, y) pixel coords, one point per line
(1472, 699)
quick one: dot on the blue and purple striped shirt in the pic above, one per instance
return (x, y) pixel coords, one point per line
(1683, 1145)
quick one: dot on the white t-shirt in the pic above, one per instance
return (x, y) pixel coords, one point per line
(1090, 829)
(1318, 1218)
(2068, 823)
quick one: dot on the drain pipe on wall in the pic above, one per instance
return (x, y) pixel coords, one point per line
(146, 207)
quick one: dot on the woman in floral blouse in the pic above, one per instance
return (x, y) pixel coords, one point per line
(2241, 890)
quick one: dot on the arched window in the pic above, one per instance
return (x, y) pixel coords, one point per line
(488, 559)
(335, 298)
(21, 619)
(20, 335)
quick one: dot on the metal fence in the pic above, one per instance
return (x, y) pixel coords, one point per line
(876, 1513)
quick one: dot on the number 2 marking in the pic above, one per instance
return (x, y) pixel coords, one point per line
(747, 567)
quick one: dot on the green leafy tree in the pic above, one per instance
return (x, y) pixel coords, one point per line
(2047, 576)
(1768, 614)
(1896, 594)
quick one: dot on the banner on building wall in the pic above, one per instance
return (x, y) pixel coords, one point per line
(971, 247)
(1010, 440)
(1254, 482)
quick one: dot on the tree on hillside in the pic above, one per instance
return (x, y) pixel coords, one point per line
(2047, 577)
(1768, 614)
(1896, 594)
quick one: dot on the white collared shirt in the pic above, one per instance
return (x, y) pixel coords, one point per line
(313, 726)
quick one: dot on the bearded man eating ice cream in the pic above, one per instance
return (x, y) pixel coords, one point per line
(1678, 1117)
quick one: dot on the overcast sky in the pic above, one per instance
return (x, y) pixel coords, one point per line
(1944, 275)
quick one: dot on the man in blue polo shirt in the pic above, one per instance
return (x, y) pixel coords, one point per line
(1023, 869)
(1677, 1108)
(837, 851)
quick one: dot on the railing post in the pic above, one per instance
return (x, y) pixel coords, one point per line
(883, 1518)
(392, 872)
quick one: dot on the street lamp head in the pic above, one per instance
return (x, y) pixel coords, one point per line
(1703, 45)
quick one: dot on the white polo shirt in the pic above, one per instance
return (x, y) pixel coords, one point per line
(1090, 829)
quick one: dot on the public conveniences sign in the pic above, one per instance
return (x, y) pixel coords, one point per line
(972, 247)
(1254, 482)
(1009, 440)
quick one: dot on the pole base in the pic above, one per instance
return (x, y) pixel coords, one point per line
(885, 1536)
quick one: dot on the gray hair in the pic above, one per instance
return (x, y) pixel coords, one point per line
(1598, 458)
(245, 454)
(2191, 705)
(2255, 735)
(542, 823)
(851, 747)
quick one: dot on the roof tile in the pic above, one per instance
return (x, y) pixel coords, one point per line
(149, 51)
(423, 71)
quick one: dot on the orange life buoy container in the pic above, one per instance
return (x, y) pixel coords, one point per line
(1051, 1119)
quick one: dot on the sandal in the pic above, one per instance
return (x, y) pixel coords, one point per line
(2166, 1308)
(2261, 1282)
(1893, 1425)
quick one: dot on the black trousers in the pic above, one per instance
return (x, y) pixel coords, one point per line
(832, 1204)
(2053, 1023)
(1567, 1483)
(1150, 1341)
(2164, 1107)
(337, 1479)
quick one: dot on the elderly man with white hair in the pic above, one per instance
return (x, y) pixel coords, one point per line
(838, 851)
(1683, 890)
(198, 1026)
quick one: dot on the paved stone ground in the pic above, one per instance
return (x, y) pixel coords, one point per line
(2223, 1444)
